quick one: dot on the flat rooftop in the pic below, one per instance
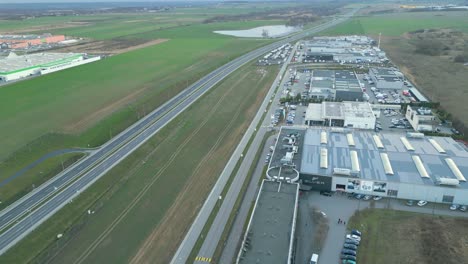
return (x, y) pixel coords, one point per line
(282, 147)
(371, 163)
(338, 110)
(323, 74)
(13, 62)
(385, 72)
(345, 75)
(328, 84)
(337, 79)
(271, 224)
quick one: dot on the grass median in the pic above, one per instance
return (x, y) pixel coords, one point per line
(157, 191)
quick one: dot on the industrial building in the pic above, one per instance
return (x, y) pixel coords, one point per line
(340, 85)
(404, 166)
(387, 78)
(270, 233)
(15, 67)
(343, 49)
(25, 41)
(341, 114)
(421, 118)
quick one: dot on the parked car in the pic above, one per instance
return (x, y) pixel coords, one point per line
(367, 197)
(358, 196)
(314, 259)
(352, 241)
(454, 207)
(462, 208)
(376, 198)
(356, 232)
(326, 193)
(350, 257)
(357, 238)
(422, 203)
(350, 246)
(348, 252)
(348, 261)
(410, 203)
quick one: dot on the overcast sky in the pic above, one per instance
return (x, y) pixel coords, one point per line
(78, 1)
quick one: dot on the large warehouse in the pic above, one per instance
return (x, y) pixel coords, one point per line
(387, 78)
(349, 49)
(404, 166)
(340, 85)
(15, 67)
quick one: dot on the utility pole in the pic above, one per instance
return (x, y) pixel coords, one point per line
(380, 35)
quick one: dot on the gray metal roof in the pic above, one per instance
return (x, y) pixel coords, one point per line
(322, 84)
(345, 75)
(372, 167)
(270, 228)
(323, 73)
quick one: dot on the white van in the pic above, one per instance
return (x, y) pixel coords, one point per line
(314, 259)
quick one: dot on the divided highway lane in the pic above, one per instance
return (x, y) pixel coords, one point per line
(49, 188)
(27, 202)
(212, 238)
(115, 150)
(190, 95)
(34, 218)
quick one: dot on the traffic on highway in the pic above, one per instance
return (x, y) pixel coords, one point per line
(26, 214)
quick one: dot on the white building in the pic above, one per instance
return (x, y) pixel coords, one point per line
(15, 67)
(341, 114)
(421, 119)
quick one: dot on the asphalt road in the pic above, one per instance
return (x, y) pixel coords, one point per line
(230, 250)
(216, 229)
(26, 214)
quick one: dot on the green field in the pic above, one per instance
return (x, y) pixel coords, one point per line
(390, 236)
(399, 23)
(183, 160)
(86, 105)
(115, 25)
(105, 97)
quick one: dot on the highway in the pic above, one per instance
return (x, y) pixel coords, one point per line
(212, 238)
(26, 214)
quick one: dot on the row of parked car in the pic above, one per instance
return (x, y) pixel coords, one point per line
(350, 246)
(452, 207)
(366, 197)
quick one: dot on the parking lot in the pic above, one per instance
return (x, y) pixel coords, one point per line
(293, 83)
(340, 206)
(387, 96)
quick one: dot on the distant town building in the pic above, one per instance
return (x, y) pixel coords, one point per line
(25, 41)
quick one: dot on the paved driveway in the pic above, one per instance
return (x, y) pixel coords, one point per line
(341, 207)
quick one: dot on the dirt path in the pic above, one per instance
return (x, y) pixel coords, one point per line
(109, 47)
(45, 27)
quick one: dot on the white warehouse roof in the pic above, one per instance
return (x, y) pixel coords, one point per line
(397, 165)
(14, 63)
